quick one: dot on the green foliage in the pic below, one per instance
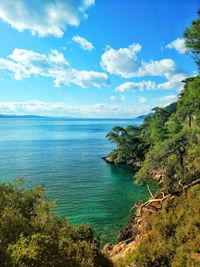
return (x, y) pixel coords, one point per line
(31, 236)
(173, 125)
(176, 154)
(130, 144)
(133, 142)
(192, 38)
(158, 129)
(177, 158)
(175, 236)
(171, 108)
(188, 108)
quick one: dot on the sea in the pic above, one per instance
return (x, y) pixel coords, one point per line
(65, 155)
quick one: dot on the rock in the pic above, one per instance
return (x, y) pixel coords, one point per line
(108, 159)
(107, 248)
(135, 165)
(128, 233)
(158, 175)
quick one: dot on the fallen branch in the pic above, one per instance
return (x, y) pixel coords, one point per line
(147, 203)
(191, 184)
(149, 190)
(153, 200)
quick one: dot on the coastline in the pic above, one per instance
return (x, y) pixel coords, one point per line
(134, 165)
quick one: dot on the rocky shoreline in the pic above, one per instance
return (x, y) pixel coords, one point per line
(135, 165)
(139, 225)
(136, 229)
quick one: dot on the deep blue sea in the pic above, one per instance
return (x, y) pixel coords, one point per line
(65, 156)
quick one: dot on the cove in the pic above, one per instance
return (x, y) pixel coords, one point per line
(65, 156)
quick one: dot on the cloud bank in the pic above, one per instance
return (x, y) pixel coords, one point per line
(174, 81)
(44, 17)
(136, 86)
(26, 63)
(97, 110)
(125, 63)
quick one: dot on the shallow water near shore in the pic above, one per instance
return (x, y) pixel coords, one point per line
(65, 156)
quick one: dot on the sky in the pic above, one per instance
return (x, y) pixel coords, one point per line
(97, 59)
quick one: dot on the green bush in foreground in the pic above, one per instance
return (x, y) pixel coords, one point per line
(31, 236)
(174, 240)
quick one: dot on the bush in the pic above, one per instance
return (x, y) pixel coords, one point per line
(31, 236)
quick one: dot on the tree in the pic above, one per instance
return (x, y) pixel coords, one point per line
(174, 125)
(189, 101)
(192, 38)
(158, 129)
(131, 144)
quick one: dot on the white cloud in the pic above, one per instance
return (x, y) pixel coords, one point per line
(173, 81)
(178, 45)
(98, 110)
(124, 62)
(113, 98)
(119, 97)
(121, 62)
(156, 68)
(142, 99)
(84, 44)
(136, 86)
(25, 63)
(44, 17)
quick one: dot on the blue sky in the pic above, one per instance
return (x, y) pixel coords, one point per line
(87, 58)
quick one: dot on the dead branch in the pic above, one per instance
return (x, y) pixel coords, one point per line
(153, 200)
(191, 184)
(180, 183)
(149, 190)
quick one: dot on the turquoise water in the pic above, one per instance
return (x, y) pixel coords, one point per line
(65, 156)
